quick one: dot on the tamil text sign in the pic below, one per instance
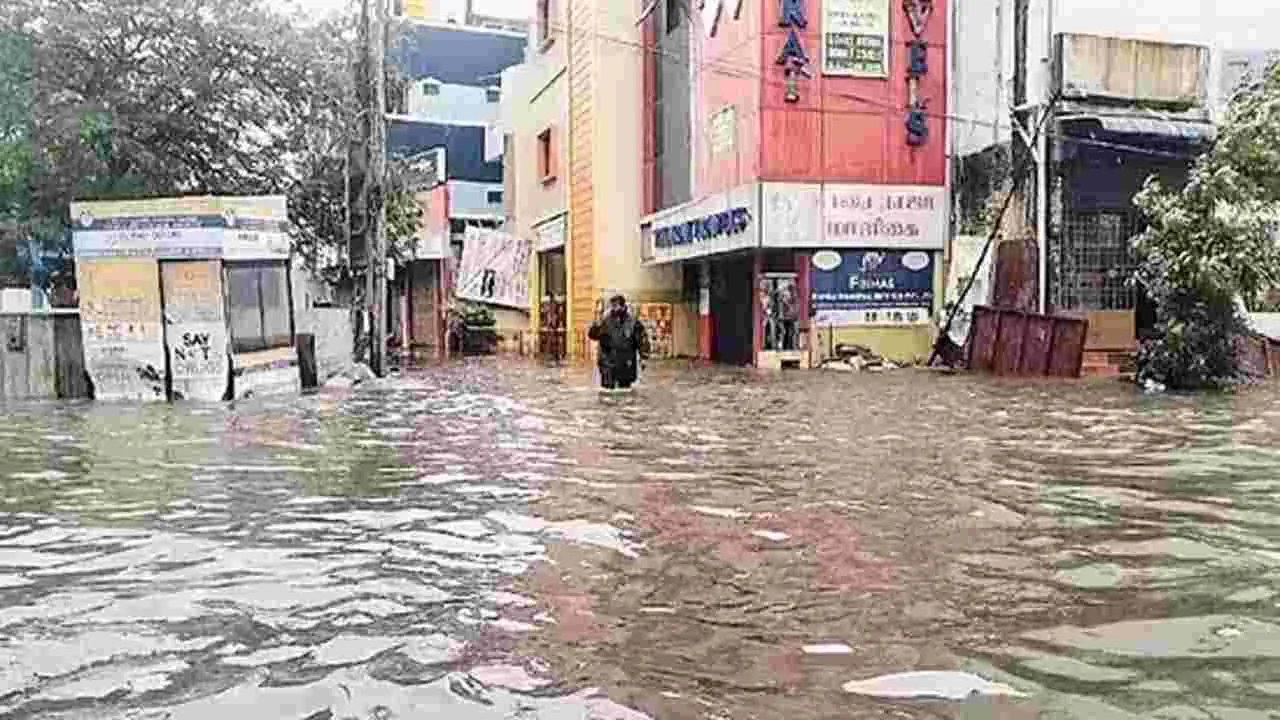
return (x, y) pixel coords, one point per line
(855, 38)
(885, 216)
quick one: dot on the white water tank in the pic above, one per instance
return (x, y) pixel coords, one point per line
(15, 301)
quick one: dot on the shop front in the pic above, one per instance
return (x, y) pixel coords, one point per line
(551, 286)
(869, 260)
(717, 240)
(787, 272)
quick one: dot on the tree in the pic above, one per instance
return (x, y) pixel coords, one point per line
(145, 98)
(1211, 245)
(15, 148)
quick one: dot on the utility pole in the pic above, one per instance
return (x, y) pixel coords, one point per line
(375, 188)
(1042, 166)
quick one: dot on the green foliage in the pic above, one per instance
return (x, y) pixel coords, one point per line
(475, 315)
(1212, 244)
(143, 98)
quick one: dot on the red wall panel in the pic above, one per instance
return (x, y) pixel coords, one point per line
(860, 131)
(727, 74)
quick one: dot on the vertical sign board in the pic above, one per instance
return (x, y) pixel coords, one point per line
(872, 287)
(195, 329)
(855, 38)
(120, 317)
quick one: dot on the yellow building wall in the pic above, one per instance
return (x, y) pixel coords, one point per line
(580, 248)
(588, 83)
(618, 147)
(534, 100)
(902, 345)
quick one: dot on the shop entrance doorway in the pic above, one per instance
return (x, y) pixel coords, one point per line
(732, 317)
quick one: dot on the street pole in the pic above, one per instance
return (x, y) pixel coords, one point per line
(1042, 170)
(377, 236)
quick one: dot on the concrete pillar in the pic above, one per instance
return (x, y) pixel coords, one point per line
(758, 300)
(803, 264)
(706, 339)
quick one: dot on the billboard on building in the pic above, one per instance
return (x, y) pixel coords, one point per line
(494, 268)
(855, 38)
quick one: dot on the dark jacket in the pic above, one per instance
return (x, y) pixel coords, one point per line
(621, 339)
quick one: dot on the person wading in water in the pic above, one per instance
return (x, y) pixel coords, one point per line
(623, 342)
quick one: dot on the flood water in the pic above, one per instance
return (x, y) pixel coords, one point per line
(498, 540)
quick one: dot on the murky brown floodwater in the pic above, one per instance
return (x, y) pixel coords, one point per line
(499, 541)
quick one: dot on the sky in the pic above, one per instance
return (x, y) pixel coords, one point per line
(501, 8)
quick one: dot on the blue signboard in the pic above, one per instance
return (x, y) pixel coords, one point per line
(729, 222)
(856, 285)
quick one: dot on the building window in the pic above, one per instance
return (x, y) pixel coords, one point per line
(494, 197)
(673, 11)
(546, 156)
(430, 87)
(544, 24)
(258, 306)
(492, 94)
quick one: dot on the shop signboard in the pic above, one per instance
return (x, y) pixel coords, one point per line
(494, 269)
(792, 215)
(720, 223)
(190, 228)
(855, 38)
(872, 287)
(549, 235)
(904, 217)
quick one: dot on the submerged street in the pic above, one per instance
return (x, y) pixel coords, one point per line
(499, 540)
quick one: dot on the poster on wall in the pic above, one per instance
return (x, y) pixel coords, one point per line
(965, 269)
(494, 269)
(120, 322)
(872, 287)
(855, 38)
(657, 319)
(431, 237)
(195, 329)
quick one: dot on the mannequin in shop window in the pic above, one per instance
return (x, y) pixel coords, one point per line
(623, 344)
(782, 313)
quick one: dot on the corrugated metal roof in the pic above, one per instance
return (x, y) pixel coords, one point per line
(1150, 125)
(1158, 126)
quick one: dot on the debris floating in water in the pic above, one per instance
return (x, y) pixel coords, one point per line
(929, 684)
(828, 649)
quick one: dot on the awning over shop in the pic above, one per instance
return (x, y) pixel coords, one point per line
(1191, 131)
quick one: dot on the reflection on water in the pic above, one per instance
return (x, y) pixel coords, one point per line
(499, 541)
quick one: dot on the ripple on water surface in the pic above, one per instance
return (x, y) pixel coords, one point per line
(494, 540)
